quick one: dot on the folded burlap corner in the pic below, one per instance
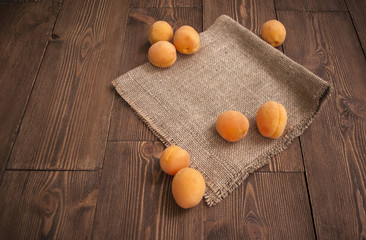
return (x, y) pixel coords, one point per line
(233, 70)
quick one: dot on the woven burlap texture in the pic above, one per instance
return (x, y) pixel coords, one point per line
(233, 70)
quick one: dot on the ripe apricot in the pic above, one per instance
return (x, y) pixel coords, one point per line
(174, 159)
(160, 31)
(188, 187)
(186, 40)
(162, 54)
(271, 119)
(273, 32)
(232, 125)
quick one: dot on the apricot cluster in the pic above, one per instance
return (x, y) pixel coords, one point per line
(188, 186)
(162, 52)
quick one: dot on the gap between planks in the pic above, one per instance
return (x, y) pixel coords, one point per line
(306, 183)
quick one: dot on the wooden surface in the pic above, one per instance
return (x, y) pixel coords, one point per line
(341, 161)
(48, 204)
(69, 110)
(77, 163)
(20, 58)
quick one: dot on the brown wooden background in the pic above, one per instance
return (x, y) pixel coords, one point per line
(76, 163)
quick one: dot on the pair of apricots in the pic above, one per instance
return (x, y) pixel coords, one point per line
(271, 122)
(188, 186)
(162, 52)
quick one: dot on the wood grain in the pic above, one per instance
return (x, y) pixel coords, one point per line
(20, 57)
(266, 206)
(311, 5)
(252, 15)
(357, 10)
(125, 125)
(48, 205)
(135, 202)
(67, 120)
(165, 3)
(334, 146)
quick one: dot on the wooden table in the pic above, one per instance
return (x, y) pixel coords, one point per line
(76, 162)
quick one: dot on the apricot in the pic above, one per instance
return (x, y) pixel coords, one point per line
(174, 159)
(160, 31)
(162, 54)
(188, 187)
(186, 40)
(232, 125)
(271, 119)
(273, 32)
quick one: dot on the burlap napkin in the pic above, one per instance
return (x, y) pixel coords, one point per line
(233, 70)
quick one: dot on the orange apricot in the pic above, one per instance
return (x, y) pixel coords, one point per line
(232, 125)
(160, 31)
(273, 32)
(186, 40)
(188, 187)
(162, 54)
(271, 119)
(174, 159)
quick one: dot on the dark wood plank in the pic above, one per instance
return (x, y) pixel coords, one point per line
(252, 15)
(20, 57)
(48, 205)
(266, 206)
(334, 146)
(165, 3)
(67, 120)
(135, 200)
(357, 9)
(311, 5)
(125, 125)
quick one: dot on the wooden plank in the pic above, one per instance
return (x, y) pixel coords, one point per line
(135, 200)
(252, 15)
(67, 120)
(20, 57)
(165, 3)
(52, 205)
(357, 10)
(266, 206)
(125, 124)
(311, 5)
(334, 146)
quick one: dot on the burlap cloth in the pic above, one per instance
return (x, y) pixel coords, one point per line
(233, 70)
